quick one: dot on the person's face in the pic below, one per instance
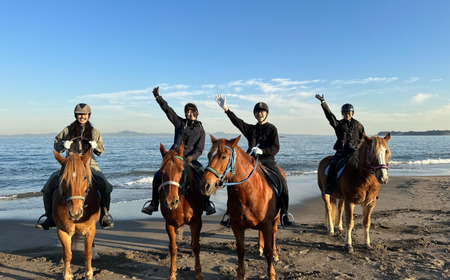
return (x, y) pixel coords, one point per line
(190, 115)
(347, 115)
(82, 118)
(261, 116)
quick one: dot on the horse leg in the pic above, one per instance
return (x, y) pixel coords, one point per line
(260, 243)
(367, 212)
(340, 211)
(349, 225)
(171, 231)
(239, 234)
(66, 241)
(195, 245)
(268, 250)
(88, 240)
(328, 214)
(274, 234)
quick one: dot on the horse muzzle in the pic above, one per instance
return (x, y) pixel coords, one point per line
(382, 175)
(172, 203)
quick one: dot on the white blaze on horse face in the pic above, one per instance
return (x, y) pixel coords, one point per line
(214, 153)
(382, 161)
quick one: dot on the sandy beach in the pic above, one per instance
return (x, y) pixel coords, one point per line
(409, 234)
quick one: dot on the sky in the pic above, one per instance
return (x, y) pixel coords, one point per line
(389, 59)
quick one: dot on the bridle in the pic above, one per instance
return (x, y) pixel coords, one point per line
(74, 197)
(181, 187)
(230, 168)
(373, 169)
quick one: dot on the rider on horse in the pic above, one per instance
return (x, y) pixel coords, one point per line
(262, 140)
(83, 136)
(190, 132)
(349, 133)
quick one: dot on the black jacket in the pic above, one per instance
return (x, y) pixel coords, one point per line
(191, 133)
(265, 135)
(349, 133)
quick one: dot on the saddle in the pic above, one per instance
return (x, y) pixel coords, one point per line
(272, 178)
(339, 166)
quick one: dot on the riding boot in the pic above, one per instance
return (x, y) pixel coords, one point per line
(329, 184)
(48, 223)
(284, 203)
(210, 208)
(154, 202)
(106, 220)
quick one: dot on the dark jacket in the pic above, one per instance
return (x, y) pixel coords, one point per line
(265, 135)
(349, 133)
(191, 133)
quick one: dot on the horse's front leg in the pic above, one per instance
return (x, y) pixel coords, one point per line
(329, 220)
(260, 243)
(268, 249)
(88, 240)
(274, 237)
(239, 234)
(367, 212)
(196, 227)
(171, 231)
(349, 225)
(66, 242)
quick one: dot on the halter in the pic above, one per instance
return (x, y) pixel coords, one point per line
(74, 197)
(375, 168)
(181, 187)
(230, 168)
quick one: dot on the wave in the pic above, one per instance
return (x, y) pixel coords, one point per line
(421, 162)
(20, 196)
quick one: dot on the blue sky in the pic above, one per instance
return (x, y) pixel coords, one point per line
(390, 59)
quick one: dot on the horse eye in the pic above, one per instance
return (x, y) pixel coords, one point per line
(224, 157)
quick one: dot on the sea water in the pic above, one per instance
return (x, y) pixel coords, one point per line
(129, 163)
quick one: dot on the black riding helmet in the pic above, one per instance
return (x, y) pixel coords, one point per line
(347, 108)
(260, 106)
(190, 106)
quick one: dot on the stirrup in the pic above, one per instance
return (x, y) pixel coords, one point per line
(286, 216)
(103, 221)
(45, 225)
(227, 222)
(212, 209)
(145, 210)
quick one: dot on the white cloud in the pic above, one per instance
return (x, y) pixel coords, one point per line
(420, 98)
(412, 80)
(365, 81)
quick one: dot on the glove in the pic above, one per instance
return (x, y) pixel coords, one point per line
(256, 151)
(221, 100)
(93, 144)
(156, 92)
(189, 159)
(320, 97)
(67, 144)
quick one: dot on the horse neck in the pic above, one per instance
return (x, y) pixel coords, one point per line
(243, 167)
(358, 161)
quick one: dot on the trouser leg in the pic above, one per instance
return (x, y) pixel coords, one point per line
(47, 196)
(105, 191)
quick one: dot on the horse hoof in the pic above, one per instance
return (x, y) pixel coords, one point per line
(276, 258)
(349, 248)
(199, 276)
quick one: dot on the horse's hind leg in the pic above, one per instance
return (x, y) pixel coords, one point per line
(88, 240)
(340, 211)
(260, 243)
(268, 250)
(349, 226)
(195, 245)
(329, 213)
(172, 250)
(66, 241)
(367, 212)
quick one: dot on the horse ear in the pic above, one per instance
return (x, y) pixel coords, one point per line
(162, 149)
(387, 137)
(181, 149)
(59, 157)
(235, 141)
(213, 139)
(85, 158)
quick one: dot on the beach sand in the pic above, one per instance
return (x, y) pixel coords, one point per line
(409, 234)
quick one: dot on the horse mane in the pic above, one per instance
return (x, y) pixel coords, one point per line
(71, 166)
(354, 160)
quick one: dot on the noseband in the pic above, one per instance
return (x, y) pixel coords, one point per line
(376, 167)
(181, 187)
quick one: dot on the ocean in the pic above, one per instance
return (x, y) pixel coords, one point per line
(129, 163)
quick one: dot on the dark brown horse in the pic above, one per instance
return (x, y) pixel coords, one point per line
(181, 203)
(359, 184)
(251, 201)
(76, 208)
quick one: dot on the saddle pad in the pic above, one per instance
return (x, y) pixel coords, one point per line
(272, 178)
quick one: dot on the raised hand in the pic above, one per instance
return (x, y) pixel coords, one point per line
(221, 100)
(320, 97)
(156, 92)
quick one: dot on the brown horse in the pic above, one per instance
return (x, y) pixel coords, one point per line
(251, 200)
(359, 184)
(76, 208)
(181, 203)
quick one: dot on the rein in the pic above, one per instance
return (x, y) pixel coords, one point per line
(181, 187)
(230, 168)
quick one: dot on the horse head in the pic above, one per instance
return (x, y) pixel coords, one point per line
(220, 162)
(172, 172)
(74, 181)
(378, 156)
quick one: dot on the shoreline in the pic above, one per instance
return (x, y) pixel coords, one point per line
(409, 233)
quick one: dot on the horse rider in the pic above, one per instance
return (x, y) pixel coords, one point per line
(79, 137)
(190, 132)
(262, 140)
(349, 133)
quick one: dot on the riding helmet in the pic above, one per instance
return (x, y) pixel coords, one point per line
(347, 108)
(260, 106)
(190, 106)
(82, 108)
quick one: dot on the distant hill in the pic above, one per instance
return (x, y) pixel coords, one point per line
(415, 133)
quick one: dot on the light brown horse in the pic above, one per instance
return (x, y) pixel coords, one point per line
(76, 208)
(359, 184)
(251, 201)
(181, 203)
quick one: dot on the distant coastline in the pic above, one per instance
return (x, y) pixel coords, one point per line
(416, 133)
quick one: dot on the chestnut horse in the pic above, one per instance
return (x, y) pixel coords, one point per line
(76, 208)
(359, 184)
(181, 203)
(251, 200)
